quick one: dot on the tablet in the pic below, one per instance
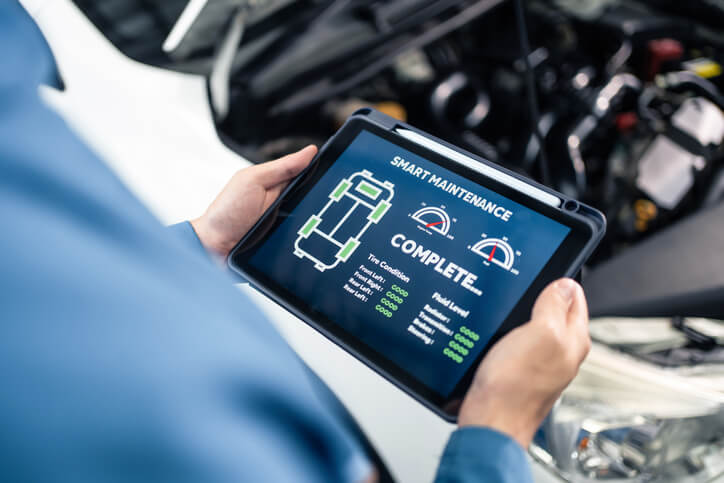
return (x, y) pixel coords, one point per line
(413, 255)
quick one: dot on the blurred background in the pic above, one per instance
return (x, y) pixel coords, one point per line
(617, 103)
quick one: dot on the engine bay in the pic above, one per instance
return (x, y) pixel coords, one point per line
(628, 102)
(630, 111)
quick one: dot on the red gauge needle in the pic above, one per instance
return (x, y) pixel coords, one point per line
(433, 224)
(492, 252)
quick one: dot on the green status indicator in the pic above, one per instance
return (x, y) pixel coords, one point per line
(461, 345)
(391, 301)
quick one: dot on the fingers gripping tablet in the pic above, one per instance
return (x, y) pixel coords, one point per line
(413, 255)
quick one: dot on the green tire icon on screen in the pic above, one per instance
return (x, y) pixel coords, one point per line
(334, 233)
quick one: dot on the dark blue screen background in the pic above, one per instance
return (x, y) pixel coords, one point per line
(534, 236)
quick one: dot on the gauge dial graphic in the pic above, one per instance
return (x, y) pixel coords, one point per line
(497, 251)
(433, 218)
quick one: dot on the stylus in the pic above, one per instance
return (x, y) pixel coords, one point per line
(484, 169)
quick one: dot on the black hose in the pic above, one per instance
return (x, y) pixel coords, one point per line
(531, 92)
(684, 80)
(645, 112)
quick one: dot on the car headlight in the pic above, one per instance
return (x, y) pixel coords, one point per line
(624, 418)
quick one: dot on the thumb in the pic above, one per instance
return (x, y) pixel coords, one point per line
(284, 169)
(554, 302)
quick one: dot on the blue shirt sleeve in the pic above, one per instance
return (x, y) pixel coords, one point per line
(185, 231)
(477, 454)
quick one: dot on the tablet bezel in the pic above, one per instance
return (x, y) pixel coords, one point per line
(582, 231)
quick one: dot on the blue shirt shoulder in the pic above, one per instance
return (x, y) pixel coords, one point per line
(125, 354)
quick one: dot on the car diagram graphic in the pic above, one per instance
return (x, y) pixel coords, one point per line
(333, 234)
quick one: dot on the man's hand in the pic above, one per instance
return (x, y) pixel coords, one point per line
(521, 377)
(245, 198)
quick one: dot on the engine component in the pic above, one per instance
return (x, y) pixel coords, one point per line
(339, 111)
(457, 100)
(660, 52)
(413, 67)
(701, 119)
(666, 172)
(703, 67)
(571, 177)
(676, 342)
(624, 419)
(679, 271)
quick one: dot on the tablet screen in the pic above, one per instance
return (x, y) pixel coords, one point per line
(418, 263)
